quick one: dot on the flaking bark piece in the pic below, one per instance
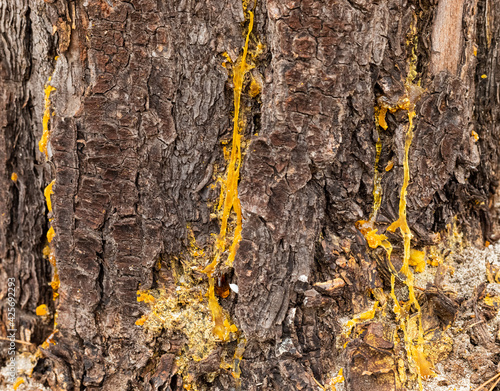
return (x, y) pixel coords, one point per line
(371, 363)
(443, 306)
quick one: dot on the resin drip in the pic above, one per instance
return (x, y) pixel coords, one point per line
(367, 227)
(238, 356)
(228, 199)
(48, 252)
(42, 144)
(377, 185)
(47, 193)
(401, 222)
(216, 310)
(374, 240)
(337, 379)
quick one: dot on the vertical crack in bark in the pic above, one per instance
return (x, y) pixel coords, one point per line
(414, 351)
(44, 141)
(43, 145)
(229, 200)
(186, 307)
(48, 251)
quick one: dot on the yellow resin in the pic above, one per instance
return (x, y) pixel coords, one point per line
(200, 317)
(434, 256)
(13, 177)
(417, 260)
(222, 327)
(374, 240)
(410, 257)
(401, 222)
(145, 297)
(47, 251)
(238, 356)
(475, 135)
(55, 283)
(228, 199)
(194, 250)
(49, 340)
(337, 379)
(188, 310)
(493, 301)
(231, 327)
(217, 315)
(42, 144)
(377, 183)
(47, 193)
(415, 351)
(185, 311)
(42, 310)
(367, 227)
(17, 383)
(49, 254)
(367, 315)
(51, 234)
(141, 320)
(434, 262)
(254, 88)
(227, 60)
(381, 118)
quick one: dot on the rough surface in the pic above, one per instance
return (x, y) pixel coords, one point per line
(474, 332)
(143, 109)
(22, 211)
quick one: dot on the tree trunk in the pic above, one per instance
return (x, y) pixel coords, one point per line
(228, 179)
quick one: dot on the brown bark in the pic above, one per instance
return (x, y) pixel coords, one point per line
(22, 220)
(142, 110)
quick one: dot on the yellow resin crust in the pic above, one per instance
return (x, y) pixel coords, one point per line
(42, 144)
(47, 193)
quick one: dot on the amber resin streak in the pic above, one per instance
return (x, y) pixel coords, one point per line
(228, 200)
(410, 257)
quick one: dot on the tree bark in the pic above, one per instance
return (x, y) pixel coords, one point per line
(142, 133)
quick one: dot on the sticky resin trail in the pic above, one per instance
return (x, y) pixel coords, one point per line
(228, 199)
(414, 351)
(238, 356)
(48, 251)
(367, 227)
(44, 141)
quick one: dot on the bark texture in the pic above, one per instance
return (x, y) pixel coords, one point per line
(142, 110)
(22, 217)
